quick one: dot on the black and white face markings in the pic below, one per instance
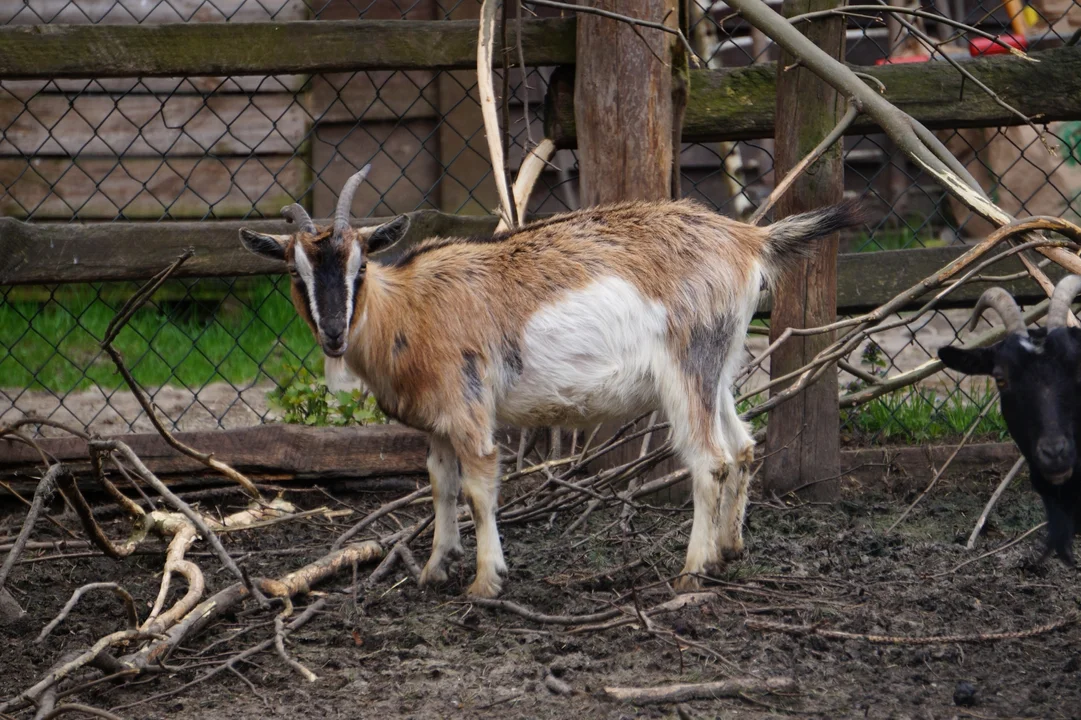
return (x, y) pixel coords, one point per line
(329, 275)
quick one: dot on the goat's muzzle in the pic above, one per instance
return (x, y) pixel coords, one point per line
(1056, 456)
(334, 343)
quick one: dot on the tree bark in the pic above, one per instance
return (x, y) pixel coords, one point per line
(803, 435)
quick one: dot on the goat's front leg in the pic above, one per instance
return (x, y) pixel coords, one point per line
(481, 486)
(446, 475)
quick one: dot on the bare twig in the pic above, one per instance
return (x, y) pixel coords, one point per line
(991, 503)
(182, 507)
(989, 553)
(934, 480)
(115, 326)
(118, 590)
(730, 687)
(279, 644)
(810, 159)
(42, 494)
(923, 14)
(768, 626)
(84, 709)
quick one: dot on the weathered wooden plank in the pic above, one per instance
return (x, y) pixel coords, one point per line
(131, 12)
(404, 159)
(34, 253)
(26, 89)
(374, 96)
(738, 103)
(133, 125)
(372, 454)
(149, 188)
(268, 48)
(284, 450)
(867, 280)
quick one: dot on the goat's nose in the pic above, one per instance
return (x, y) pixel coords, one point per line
(1052, 449)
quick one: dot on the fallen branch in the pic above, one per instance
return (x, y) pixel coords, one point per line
(994, 499)
(115, 326)
(118, 590)
(800, 630)
(989, 553)
(42, 494)
(77, 707)
(732, 687)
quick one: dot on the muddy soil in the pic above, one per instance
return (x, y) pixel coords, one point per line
(404, 653)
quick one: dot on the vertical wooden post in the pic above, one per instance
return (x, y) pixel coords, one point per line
(623, 111)
(623, 103)
(803, 435)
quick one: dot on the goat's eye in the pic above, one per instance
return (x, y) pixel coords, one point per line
(1000, 381)
(293, 273)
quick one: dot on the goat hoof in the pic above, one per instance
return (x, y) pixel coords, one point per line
(485, 588)
(687, 584)
(432, 575)
(732, 554)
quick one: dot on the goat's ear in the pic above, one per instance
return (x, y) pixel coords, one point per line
(268, 246)
(977, 361)
(387, 234)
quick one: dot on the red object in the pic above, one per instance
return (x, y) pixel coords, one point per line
(984, 46)
(903, 60)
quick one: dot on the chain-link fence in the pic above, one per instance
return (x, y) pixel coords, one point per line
(157, 150)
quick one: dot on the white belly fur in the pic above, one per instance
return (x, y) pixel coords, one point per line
(591, 356)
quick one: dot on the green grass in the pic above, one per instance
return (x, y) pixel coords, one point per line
(919, 415)
(55, 345)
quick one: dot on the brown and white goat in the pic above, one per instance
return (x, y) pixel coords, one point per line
(600, 314)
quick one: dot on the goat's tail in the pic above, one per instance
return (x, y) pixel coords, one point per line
(790, 240)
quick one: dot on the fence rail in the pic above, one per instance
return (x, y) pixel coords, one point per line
(35, 254)
(738, 103)
(267, 48)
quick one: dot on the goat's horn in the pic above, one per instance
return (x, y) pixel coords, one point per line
(296, 215)
(1061, 300)
(345, 200)
(1004, 305)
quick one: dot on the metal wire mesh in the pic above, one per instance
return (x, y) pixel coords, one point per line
(171, 149)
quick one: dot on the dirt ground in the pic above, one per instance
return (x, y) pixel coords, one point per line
(403, 653)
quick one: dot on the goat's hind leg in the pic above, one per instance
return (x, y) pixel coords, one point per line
(718, 451)
(740, 448)
(445, 472)
(480, 477)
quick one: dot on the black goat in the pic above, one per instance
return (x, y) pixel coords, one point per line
(1038, 374)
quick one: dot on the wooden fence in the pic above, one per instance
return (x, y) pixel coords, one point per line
(267, 61)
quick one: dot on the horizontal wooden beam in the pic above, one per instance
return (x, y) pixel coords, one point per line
(293, 451)
(867, 280)
(739, 103)
(38, 253)
(264, 48)
(370, 454)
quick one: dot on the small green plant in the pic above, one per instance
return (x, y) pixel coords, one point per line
(308, 401)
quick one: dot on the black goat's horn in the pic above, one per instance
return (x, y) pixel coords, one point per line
(345, 201)
(1061, 300)
(296, 215)
(1004, 305)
